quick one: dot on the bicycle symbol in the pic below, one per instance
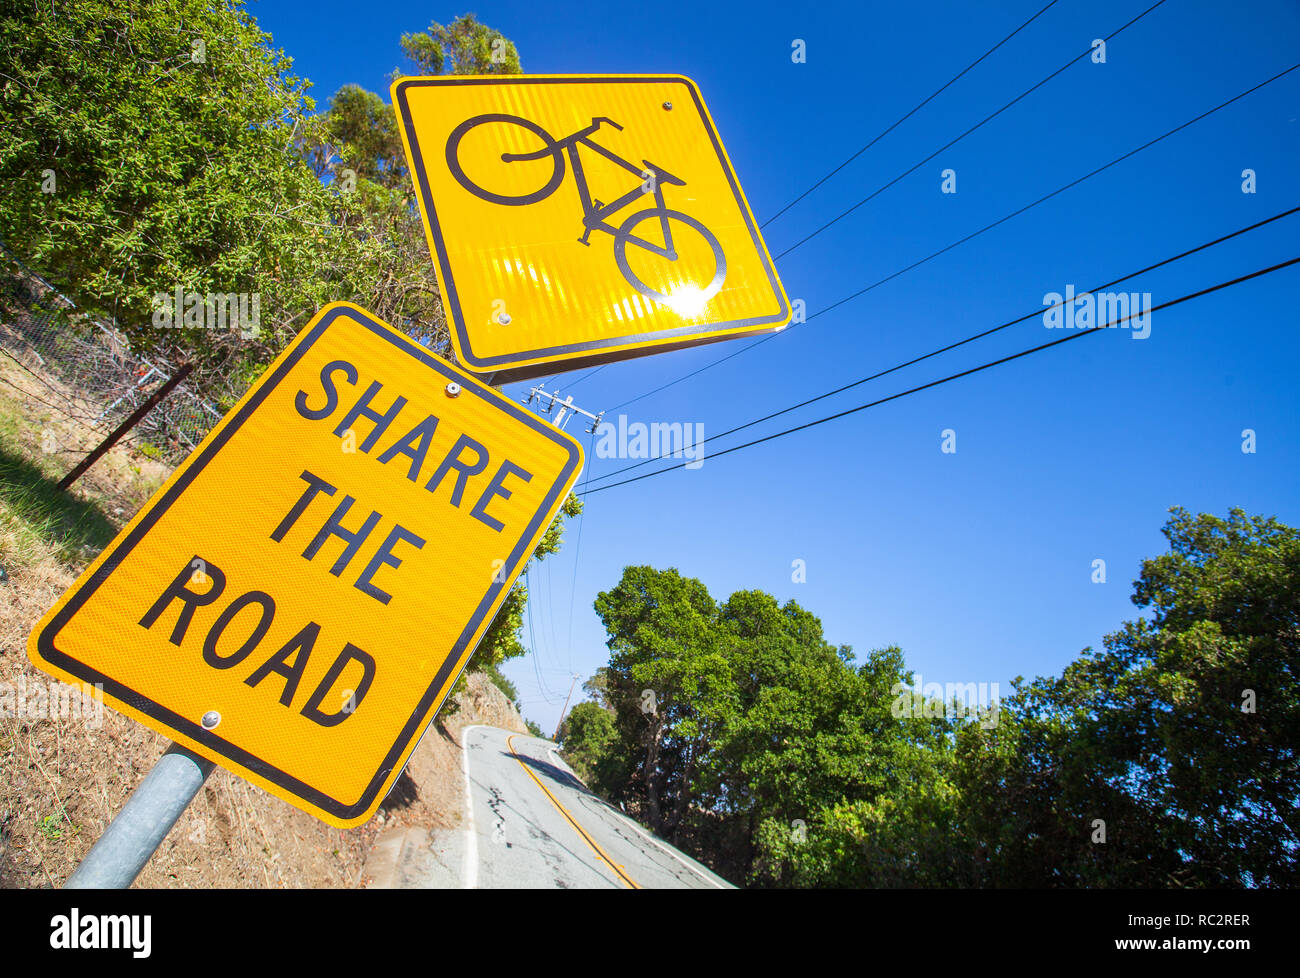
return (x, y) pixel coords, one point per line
(594, 212)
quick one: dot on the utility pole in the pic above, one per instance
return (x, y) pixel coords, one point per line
(564, 709)
(547, 403)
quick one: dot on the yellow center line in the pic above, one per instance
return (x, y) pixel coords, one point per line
(600, 853)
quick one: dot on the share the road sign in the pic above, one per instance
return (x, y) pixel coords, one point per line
(297, 600)
(575, 220)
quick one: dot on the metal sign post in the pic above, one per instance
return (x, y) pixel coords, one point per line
(255, 614)
(144, 821)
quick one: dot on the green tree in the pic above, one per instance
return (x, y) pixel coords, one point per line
(463, 47)
(151, 147)
(1168, 759)
(355, 145)
(588, 737)
(1206, 696)
(358, 132)
(668, 680)
(759, 729)
(816, 764)
(180, 152)
(598, 687)
(1181, 735)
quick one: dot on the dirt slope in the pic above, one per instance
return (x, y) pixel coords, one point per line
(63, 777)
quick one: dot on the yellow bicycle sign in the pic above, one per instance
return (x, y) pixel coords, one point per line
(594, 212)
(576, 220)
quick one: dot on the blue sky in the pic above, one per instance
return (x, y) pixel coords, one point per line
(978, 563)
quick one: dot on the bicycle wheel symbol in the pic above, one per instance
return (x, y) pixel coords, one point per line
(549, 148)
(594, 213)
(624, 235)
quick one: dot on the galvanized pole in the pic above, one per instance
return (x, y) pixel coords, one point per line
(144, 821)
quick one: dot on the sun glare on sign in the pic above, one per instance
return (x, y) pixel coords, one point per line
(688, 301)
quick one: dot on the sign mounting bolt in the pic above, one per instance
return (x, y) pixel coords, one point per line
(504, 318)
(210, 720)
(453, 389)
(668, 106)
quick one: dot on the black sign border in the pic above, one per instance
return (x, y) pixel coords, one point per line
(507, 367)
(232, 423)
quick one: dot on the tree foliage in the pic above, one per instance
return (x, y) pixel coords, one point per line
(165, 146)
(1180, 735)
(1166, 759)
(463, 47)
(587, 736)
(737, 722)
(152, 147)
(168, 145)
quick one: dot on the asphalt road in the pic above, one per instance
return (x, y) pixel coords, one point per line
(532, 824)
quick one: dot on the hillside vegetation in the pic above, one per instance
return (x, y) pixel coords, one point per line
(1164, 759)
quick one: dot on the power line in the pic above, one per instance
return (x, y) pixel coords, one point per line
(954, 142)
(587, 376)
(952, 377)
(918, 108)
(547, 624)
(550, 613)
(1059, 190)
(535, 655)
(961, 241)
(962, 342)
(577, 553)
(712, 363)
(881, 135)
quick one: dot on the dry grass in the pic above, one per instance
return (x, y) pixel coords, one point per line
(62, 779)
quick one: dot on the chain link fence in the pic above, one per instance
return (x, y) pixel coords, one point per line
(87, 370)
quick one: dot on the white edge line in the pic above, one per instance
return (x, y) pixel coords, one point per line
(641, 832)
(471, 841)
(663, 848)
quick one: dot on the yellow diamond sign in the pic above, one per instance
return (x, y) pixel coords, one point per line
(579, 219)
(298, 599)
